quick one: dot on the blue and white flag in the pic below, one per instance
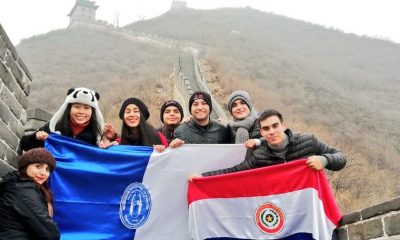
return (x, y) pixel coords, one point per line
(128, 192)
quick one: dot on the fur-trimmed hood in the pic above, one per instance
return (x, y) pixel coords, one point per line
(79, 95)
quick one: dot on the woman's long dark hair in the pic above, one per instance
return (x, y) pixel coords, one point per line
(44, 187)
(35, 156)
(64, 124)
(142, 135)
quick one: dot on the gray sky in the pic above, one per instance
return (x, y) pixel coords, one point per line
(375, 18)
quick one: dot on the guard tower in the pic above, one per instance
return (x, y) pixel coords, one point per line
(84, 11)
(178, 4)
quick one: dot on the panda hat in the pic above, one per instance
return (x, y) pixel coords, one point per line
(79, 95)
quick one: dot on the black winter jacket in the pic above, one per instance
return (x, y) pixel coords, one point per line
(167, 132)
(191, 132)
(23, 211)
(300, 146)
(29, 141)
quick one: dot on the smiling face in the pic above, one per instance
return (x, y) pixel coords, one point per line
(200, 110)
(39, 172)
(273, 131)
(240, 110)
(80, 113)
(132, 115)
(172, 116)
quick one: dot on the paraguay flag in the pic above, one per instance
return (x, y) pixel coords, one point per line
(286, 201)
(128, 192)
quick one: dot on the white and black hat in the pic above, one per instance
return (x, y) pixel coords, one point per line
(79, 95)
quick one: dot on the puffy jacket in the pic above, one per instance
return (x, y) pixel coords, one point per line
(300, 146)
(23, 211)
(213, 133)
(29, 141)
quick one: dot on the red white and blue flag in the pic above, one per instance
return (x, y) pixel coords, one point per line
(286, 201)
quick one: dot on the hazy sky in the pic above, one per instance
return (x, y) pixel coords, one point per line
(376, 18)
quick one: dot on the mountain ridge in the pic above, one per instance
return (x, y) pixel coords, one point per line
(339, 86)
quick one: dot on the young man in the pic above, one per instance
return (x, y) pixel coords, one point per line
(200, 129)
(281, 145)
(171, 115)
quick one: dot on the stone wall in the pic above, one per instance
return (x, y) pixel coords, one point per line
(381, 221)
(178, 4)
(36, 118)
(184, 89)
(15, 81)
(202, 81)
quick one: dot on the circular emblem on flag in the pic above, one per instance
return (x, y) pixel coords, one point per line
(269, 218)
(135, 206)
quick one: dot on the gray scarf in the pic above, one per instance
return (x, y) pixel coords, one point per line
(242, 127)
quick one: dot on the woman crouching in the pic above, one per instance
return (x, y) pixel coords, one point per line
(26, 202)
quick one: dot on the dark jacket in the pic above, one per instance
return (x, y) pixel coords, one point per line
(213, 133)
(300, 146)
(160, 135)
(167, 132)
(29, 141)
(23, 211)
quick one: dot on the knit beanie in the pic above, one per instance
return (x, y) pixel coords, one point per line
(79, 95)
(243, 95)
(36, 155)
(142, 107)
(200, 95)
(170, 103)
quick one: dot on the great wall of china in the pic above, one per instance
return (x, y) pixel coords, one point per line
(381, 221)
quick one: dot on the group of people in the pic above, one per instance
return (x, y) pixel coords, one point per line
(26, 200)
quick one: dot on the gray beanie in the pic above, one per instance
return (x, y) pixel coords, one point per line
(243, 95)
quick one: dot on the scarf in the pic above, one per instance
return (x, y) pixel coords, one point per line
(78, 128)
(242, 127)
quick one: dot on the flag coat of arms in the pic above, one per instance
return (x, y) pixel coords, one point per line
(128, 192)
(285, 201)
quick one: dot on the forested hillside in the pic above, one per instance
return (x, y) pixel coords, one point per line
(341, 87)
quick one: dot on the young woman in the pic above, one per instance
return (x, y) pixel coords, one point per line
(79, 117)
(135, 130)
(244, 125)
(171, 115)
(26, 202)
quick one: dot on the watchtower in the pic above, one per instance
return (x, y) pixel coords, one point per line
(178, 4)
(84, 11)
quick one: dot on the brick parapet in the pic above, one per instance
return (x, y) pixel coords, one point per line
(381, 221)
(15, 80)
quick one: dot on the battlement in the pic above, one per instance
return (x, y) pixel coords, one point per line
(178, 4)
(381, 221)
(378, 222)
(84, 11)
(15, 81)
